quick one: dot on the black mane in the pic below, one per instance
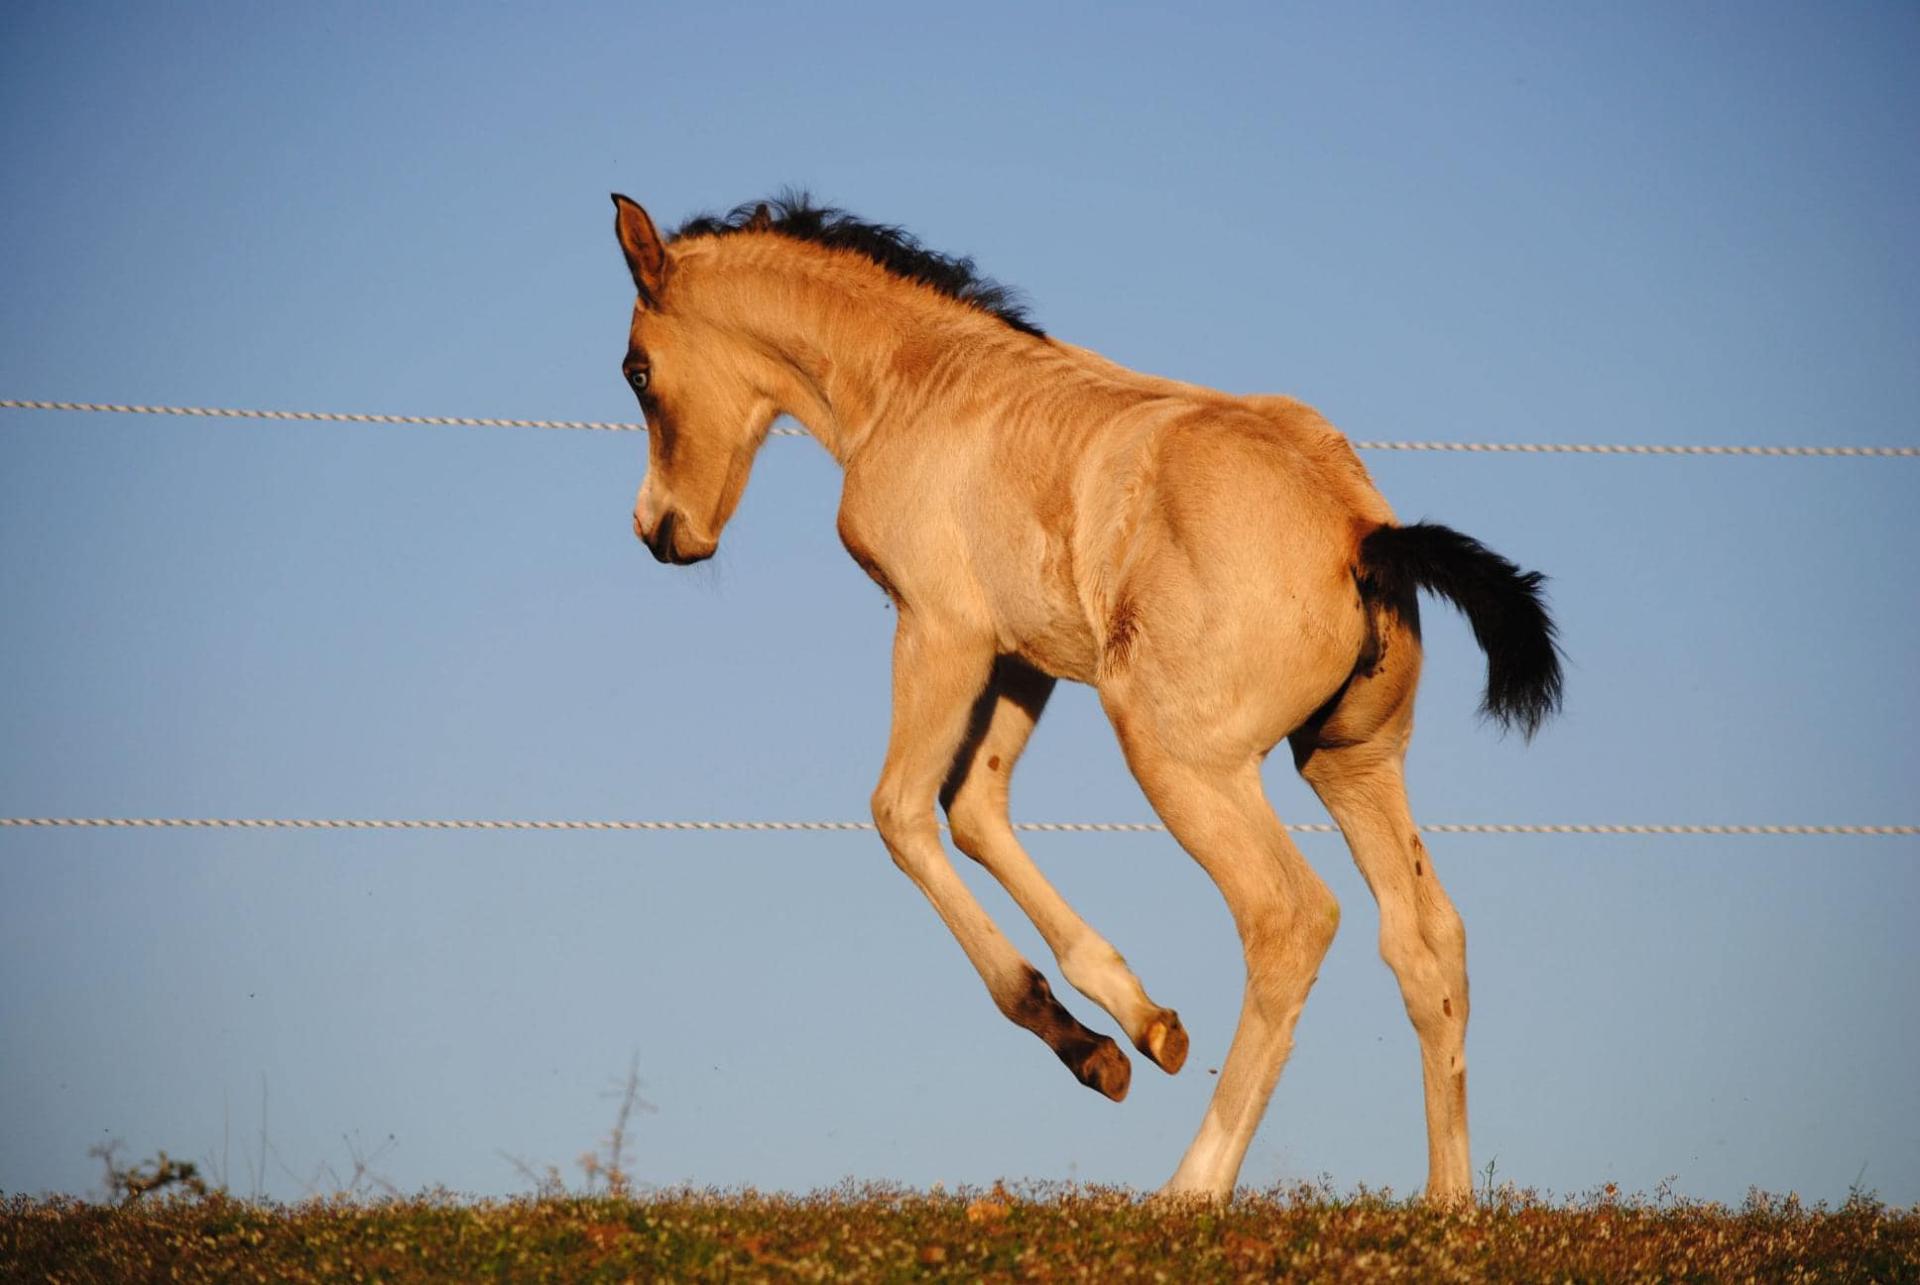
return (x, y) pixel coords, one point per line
(795, 215)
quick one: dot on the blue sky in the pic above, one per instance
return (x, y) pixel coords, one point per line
(1635, 223)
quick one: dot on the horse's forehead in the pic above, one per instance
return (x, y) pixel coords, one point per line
(638, 328)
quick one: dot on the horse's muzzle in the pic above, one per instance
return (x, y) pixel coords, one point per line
(661, 543)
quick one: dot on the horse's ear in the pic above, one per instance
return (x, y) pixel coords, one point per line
(640, 242)
(762, 219)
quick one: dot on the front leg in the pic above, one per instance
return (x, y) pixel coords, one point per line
(976, 801)
(939, 669)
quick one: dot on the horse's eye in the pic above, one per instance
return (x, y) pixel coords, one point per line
(639, 378)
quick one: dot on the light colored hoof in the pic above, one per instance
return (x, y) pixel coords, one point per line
(1176, 1196)
(1165, 1041)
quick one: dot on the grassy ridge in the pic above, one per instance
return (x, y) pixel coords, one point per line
(886, 1234)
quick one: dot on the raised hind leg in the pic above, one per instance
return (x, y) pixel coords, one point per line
(976, 802)
(938, 672)
(1353, 760)
(1210, 796)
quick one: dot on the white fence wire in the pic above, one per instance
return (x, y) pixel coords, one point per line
(783, 430)
(1033, 827)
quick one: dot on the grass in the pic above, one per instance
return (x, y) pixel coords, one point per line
(887, 1234)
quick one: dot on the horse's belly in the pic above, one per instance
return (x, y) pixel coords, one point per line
(1036, 606)
(1063, 648)
(1050, 634)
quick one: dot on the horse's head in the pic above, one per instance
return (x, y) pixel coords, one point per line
(705, 392)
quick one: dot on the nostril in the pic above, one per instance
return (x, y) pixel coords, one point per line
(662, 542)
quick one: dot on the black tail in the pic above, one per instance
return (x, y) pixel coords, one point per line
(1504, 605)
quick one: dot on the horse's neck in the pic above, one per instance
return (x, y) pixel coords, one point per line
(865, 355)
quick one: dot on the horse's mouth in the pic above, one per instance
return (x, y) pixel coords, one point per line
(661, 544)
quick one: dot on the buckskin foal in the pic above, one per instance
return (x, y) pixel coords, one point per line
(1220, 568)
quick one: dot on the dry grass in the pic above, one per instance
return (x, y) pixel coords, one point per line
(1043, 1234)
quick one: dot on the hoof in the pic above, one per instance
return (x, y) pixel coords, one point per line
(1106, 1070)
(1177, 1196)
(1165, 1041)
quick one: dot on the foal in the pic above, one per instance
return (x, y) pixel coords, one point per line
(1221, 569)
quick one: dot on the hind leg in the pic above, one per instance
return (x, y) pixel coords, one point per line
(1208, 791)
(976, 803)
(1353, 759)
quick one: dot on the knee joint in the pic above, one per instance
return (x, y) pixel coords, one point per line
(1325, 915)
(1404, 948)
(974, 821)
(1447, 933)
(1316, 918)
(1304, 927)
(896, 819)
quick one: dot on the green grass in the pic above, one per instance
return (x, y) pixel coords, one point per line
(884, 1234)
